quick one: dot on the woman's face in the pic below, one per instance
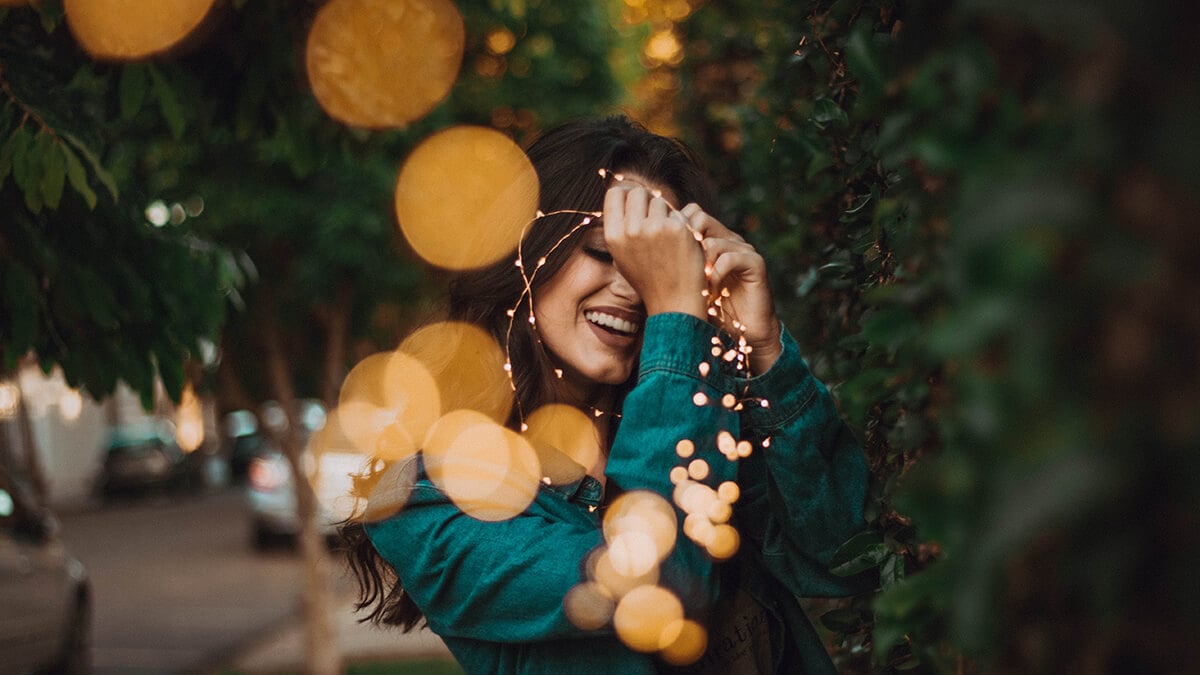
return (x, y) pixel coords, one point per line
(589, 317)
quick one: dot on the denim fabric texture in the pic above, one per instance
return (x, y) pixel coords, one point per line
(494, 590)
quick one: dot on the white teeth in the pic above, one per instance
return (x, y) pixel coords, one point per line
(610, 321)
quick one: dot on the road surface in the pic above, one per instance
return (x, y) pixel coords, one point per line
(176, 585)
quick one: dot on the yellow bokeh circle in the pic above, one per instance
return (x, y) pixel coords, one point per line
(589, 606)
(383, 63)
(488, 471)
(466, 364)
(387, 404)
(132, 29)
(645, 518)
(645, 616)
(688, 646)
(464, 196)
(566, 441)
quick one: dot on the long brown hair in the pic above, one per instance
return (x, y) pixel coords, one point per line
(568, 161)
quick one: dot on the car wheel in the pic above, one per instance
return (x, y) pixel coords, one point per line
(266, 539)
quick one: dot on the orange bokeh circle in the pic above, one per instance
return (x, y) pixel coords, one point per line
(463, 197)
(383, 63)
(132, 29)
(466, 364)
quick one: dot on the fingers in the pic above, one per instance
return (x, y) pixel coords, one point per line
(707, 226)
(614, 212)
(636, 208)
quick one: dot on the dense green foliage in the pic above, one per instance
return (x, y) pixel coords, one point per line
(85, 283)
(979, 216)
(225, 128)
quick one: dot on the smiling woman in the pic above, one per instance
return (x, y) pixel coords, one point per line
(678, 541)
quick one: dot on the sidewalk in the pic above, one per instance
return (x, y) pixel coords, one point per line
(282, 650)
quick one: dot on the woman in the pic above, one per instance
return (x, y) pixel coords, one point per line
(626, 313)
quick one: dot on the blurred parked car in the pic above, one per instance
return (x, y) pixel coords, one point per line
(244, 441)
(45, 620)
(143, 457)
(271, 491)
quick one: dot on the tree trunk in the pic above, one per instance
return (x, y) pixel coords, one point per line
(336, 318)
(32, 458)
(322, 653)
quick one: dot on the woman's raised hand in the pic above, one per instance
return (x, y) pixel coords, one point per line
(655, 250)
(737, 273)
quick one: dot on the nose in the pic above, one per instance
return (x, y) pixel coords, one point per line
(621, 287)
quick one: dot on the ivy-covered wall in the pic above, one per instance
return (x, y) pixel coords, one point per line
(981, 220)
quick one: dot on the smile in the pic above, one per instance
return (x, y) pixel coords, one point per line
(611, 322)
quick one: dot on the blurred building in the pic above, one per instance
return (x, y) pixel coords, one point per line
(69, 430)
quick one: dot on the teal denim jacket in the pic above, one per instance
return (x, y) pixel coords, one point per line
(494, 590)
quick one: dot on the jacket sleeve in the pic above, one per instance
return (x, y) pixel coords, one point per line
(505, 581)
(804, 487)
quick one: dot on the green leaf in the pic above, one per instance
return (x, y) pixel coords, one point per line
(132, 89)
(54, 176)
(862, 552)
(20, 298)
(78, 177)
(51, 14)
(170, 369)
(35, 168)
(102, 174)
(892, 571)
(818, 163)
(6, 155)
(864, 63)
(168, 103)
(826, 111)
(20, 142)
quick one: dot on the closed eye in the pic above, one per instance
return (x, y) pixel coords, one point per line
(599, 254)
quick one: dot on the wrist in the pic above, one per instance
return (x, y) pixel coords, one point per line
(767, 350)
(692, 305)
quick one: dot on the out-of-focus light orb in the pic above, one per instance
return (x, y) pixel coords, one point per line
(132, 29)
(643, 616)
(645, 513)
(158, 214)
(390, 391)
(603, 571)
(189, 421)
(723, 542)
(500, 41)
(664, 47)
(688, 646)
(589, 606)
(464, 196)
(566, 440)
(466, 364)
(388, 490)
(70, 404)
(633, 553)
(677, 10)
(10, 398)
(331, 473)
(384, 63)
(729, 492)
(489, 471)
